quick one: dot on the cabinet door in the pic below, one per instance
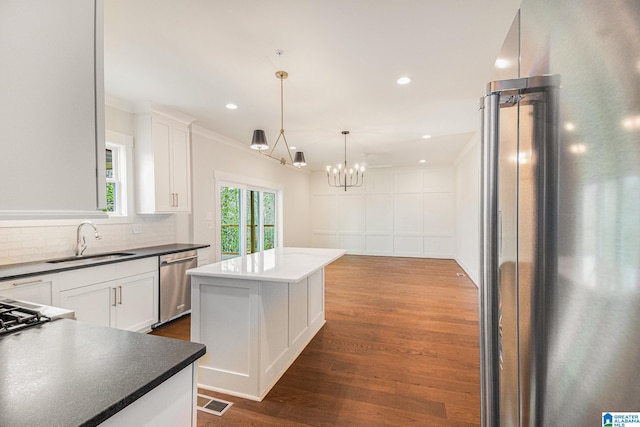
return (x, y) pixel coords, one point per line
(33, 289)
(92, 304)
(137, 302)
(162, 151)
(180, 170)
(52, 108)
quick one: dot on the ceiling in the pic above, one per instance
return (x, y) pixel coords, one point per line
(343, 58)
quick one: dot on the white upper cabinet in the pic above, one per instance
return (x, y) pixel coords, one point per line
(51, 109)
(163, 163)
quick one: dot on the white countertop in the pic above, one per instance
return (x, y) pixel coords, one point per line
(274, 265)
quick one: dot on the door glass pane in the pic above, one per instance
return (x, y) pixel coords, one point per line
(269, 221)
(253, 221)
(230, 221)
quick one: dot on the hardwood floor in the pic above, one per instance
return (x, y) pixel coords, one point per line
(400, 348)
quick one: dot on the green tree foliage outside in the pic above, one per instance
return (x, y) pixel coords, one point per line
(111, 197)
(269, 220)
(230, 212)
(230, 207)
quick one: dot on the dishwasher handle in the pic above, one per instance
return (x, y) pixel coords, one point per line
(173, 261)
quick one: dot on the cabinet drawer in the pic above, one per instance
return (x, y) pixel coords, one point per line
(138, 266)
(86, 276)
(32, 289)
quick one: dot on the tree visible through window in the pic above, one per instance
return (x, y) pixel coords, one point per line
(230, 221)
(269, 221)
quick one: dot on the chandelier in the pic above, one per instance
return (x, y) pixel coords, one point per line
(344, 176)
(259, 140)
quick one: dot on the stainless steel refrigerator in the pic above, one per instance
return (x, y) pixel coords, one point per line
(560, 287)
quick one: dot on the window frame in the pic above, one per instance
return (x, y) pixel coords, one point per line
(122, 146)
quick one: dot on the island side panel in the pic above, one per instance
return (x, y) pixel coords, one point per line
(316, 298)
(305, 317)
(227, 321)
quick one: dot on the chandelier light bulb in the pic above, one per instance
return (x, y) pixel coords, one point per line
(328, 168)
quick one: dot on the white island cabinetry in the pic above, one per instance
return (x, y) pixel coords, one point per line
(256, 314)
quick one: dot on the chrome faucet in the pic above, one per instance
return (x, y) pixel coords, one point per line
(81, 243)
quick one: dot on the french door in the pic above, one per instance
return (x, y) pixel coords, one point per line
(248, 220)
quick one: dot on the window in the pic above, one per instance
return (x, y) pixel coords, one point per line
(116, 179)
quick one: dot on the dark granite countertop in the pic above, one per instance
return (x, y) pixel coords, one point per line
(69, 373)
(26, 269)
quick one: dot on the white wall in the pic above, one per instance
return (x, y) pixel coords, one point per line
(468, 209)
(398, 212)
(213, 153)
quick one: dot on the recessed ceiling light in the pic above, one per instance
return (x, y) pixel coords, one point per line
(293, 148)
(403, 80)
(423, 161)
(427, 136)
(231, 106)
(570, 126)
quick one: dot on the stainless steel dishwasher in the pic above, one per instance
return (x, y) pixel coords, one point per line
(175, 286)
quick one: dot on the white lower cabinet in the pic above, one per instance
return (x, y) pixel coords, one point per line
(136, 307)
(92, 303)
(35, 289)
(122, 299)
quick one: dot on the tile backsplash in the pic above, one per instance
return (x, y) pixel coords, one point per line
(33, 243)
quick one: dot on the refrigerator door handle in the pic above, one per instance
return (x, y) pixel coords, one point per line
(538, 91)
(489, 322)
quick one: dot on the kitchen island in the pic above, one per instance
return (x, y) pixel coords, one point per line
(255, 314)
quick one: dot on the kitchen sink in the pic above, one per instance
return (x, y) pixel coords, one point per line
(85, 259)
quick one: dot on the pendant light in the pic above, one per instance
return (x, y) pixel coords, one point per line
(343, 175)
(259, 139)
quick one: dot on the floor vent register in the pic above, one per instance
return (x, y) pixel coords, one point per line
(212, 405)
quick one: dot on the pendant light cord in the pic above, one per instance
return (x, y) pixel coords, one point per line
(281, 106)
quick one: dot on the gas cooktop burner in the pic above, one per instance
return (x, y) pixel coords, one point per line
(14, 318)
